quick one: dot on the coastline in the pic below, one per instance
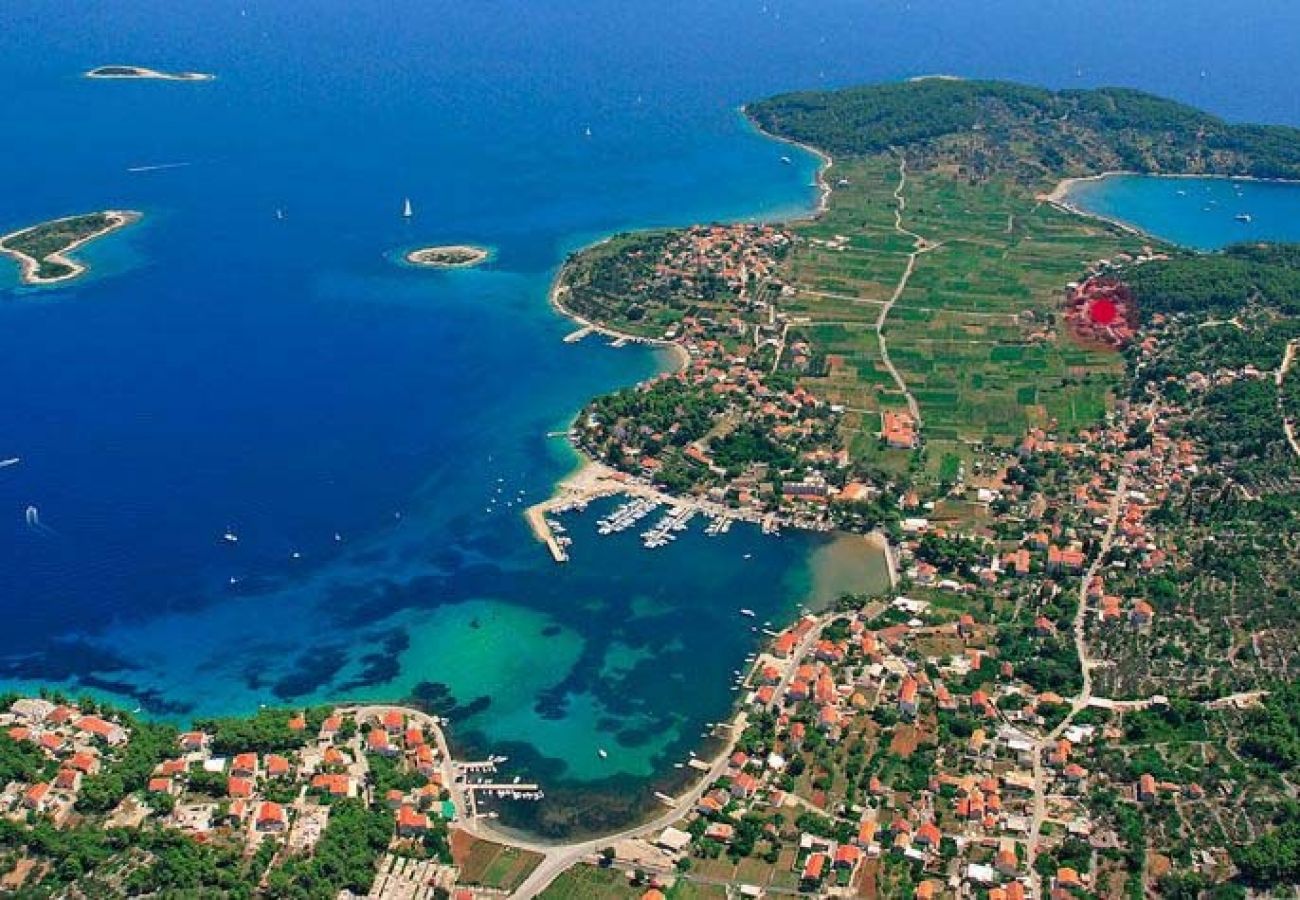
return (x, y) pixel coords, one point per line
(591, 479)
(827, 161)
(29, 266)
(1059, 196)
(681, 358)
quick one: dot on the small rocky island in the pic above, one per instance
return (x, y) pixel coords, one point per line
(42, 251)
(451, 256)
(143, 72)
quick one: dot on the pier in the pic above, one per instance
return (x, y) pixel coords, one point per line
(575, 336)
(536, 516)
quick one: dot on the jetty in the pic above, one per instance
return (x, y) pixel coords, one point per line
(575, 336)
(541, 526)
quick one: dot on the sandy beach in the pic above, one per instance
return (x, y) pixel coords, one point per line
(30, 266)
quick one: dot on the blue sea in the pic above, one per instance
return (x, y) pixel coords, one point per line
(1200, 213)
(351, 419)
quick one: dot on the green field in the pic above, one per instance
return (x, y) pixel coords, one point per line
(975, 333)
(584, 882)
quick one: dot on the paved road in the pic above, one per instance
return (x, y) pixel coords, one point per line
(1080, 700)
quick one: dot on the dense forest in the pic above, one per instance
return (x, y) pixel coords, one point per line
(1220, 283)
(988, 127)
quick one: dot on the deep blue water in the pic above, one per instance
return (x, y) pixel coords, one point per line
(224, 368)
(1201, 213)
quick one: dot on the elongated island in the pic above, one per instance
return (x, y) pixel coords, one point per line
(449, 256)
(143, 72)
(43, 251)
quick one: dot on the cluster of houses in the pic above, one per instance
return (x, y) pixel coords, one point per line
(78, 742)
(739, 256)
(912, 664)
(201, 792)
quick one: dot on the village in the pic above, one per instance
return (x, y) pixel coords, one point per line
(732, 427)
(947, 742)
(266, 807)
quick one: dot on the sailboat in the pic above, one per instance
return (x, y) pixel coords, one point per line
(407, 212)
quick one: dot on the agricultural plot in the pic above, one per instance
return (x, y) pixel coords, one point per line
(974, 334)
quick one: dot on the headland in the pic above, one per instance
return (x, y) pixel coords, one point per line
(1043, 542)
(43, 251)
(449, 256)
(142, 72)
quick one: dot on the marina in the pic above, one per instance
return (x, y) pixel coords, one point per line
(663, 531)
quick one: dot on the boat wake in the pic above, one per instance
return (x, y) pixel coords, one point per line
(33, 518)
(159, 166)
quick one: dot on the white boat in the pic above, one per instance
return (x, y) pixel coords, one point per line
(601, 753)
(747, 612)
(1243, 218)
(12, 461)
(588, 131)
(407, 212)
(230, 537)
(787, 160)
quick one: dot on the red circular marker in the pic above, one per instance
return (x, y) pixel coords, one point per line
(1103, 311)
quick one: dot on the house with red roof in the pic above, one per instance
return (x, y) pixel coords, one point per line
(84, 761)
(336, 785)
(271, 817)
(424, 761)
(377, 742)
(814, 870)
(37, 797)
(110, 732)
(244, 765)
(411, 823)
(907, 696)
(743, 786)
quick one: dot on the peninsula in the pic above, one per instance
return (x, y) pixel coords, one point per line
(146, 73)
(43, 251)
(448, 256)
(1080, 440)
(1082, 443)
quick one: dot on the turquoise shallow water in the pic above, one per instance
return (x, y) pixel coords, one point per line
(1201, 213)
(225, 368)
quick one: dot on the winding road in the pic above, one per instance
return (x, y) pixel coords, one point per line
(920, 245)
